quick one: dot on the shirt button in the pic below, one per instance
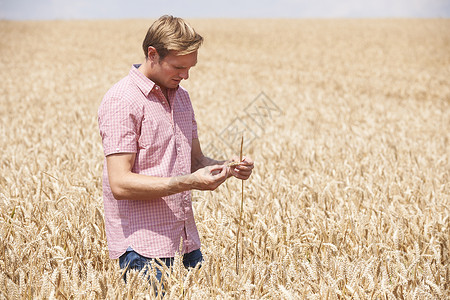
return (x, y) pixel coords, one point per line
(156, 87)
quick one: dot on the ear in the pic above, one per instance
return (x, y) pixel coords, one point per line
(152, 54)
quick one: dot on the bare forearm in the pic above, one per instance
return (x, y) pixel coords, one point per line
(134, 186)
(131, 186)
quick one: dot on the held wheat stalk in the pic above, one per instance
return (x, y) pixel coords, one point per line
(240, 213)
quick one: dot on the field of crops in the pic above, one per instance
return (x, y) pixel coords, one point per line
(348, 122)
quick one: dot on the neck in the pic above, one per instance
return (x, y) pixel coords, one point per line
(145, 69)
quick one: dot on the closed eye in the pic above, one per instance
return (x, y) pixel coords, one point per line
(182, 67)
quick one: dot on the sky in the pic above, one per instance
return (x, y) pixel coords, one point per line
(131, 9)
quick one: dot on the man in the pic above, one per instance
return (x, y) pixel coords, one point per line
(153, 156)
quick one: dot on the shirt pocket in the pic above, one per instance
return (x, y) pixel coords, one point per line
(183, 121)
(156, 132)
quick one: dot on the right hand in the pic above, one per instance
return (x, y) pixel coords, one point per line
(209, 178)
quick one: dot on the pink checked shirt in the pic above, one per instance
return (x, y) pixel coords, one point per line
(134, 117)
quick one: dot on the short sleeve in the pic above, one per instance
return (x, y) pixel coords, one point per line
(119, 124)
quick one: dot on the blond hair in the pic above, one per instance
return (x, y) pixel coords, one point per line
(170, 33)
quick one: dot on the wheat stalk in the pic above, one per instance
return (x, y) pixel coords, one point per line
(240, 213)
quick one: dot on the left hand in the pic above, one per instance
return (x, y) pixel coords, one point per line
(243, 170)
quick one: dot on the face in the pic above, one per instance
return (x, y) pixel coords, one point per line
(173, 68)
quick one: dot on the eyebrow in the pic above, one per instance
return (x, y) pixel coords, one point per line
(184, 67)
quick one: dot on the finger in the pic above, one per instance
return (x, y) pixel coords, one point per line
(234, 172)
(221, 173)
(244, 167)
(243, 170)
(241, 176)
(247, 160)
(239, 165)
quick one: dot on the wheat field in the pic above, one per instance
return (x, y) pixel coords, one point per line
(350, 194)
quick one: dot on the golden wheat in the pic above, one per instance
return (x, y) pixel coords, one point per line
(350, 192)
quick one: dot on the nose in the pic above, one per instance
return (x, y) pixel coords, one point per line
(184, 74)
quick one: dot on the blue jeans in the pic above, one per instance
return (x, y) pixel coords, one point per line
(132, 260)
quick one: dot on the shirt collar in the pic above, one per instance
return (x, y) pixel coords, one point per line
(142, 82)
